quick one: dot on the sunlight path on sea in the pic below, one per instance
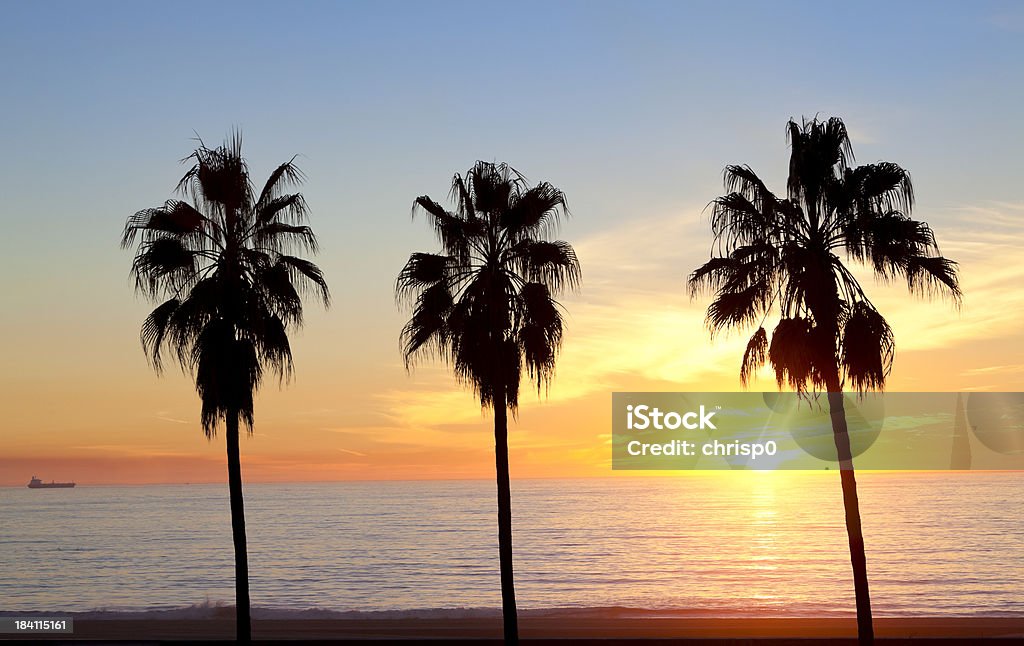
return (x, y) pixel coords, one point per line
(723, 543)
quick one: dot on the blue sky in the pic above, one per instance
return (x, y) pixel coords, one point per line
(391, 98)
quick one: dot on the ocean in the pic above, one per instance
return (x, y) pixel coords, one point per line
(715, 544)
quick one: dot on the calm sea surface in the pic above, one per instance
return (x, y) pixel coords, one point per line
(746, 543)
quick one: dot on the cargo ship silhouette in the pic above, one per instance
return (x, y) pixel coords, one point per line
(36, 483)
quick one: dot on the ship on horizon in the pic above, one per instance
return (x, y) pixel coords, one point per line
(36, 483)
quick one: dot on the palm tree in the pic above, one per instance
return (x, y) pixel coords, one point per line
(485, 304)
(230, 294)
(779, 253)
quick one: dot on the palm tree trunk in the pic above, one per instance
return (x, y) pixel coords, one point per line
(508, 591)
(858, 559)
(243, 628)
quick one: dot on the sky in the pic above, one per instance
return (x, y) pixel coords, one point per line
(633, 109)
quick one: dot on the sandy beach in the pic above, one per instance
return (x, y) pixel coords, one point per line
(554, 628)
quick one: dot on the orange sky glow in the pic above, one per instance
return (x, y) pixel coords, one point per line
(94, 412)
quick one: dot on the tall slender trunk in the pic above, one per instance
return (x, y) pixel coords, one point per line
(858, 559)
(508, 591)
(243, 621)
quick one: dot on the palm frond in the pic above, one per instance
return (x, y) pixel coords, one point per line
(174, 218)
(743, 284)
(754, 356)
(540, 331)
(163, 264)
(552, 263)
(307, 276)
(284, 176)
(203, 303)
(277, 293)
(463, 197)
(421, 271)
(794, 355)
(819, 152)
(270, 338)
(738, 308)
(290, 208)
(428, 330)
(709, 277)
(495, 186)
(927, 276)
(535, 212)
(867, 348)
(154, 332)
(887, 239)
(278, 236)
(219, 178)
(745, 182)
(735, 220)
(885, 187)
(453, 232)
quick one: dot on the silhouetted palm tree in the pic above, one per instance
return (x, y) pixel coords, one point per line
(232, 293)
(485, 304)
(772, 252)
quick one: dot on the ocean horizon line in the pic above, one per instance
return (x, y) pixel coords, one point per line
(638, 475)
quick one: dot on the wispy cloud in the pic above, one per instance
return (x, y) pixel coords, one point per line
(987, 370)
(351, 452)
(166, 416)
